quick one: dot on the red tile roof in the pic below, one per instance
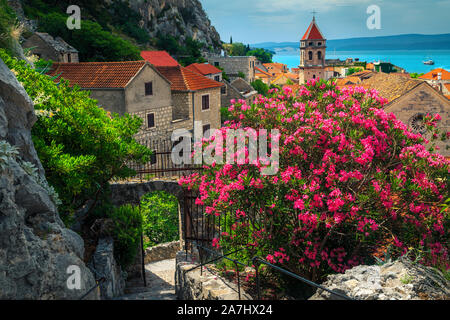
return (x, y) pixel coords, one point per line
(159, 58)
(313, 32)
(184, 79)
(433, 74)
(97, 74)
(203, 68)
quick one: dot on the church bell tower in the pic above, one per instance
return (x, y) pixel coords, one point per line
(312, 54)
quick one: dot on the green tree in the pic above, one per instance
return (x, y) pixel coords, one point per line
(160, 218)
(81, 146)
(263, 55)
(260, 86)
(93, 43)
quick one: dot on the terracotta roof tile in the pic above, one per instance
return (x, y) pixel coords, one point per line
(203, 68)
(313, 32)
(184, 79)
(433, 74)
(159, 58)
(97, 74)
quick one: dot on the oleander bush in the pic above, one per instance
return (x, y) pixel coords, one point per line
(353, 183)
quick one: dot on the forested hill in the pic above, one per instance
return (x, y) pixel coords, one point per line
(118, 30)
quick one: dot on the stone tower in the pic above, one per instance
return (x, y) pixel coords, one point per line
(312, 54)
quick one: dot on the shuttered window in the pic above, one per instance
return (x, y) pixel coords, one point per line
(205, 102)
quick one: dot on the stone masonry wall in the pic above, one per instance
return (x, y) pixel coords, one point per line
(194, 285)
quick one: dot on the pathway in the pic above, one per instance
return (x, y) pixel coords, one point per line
(160, 283)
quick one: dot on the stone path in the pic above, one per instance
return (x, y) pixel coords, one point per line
(160, 283)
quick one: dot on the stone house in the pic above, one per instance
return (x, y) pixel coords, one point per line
(46, 47)
(133, 87)
(276, 68)
(207, 70)
(410, 100)
(239, 89)
(233, 65)
(439, 79)
(195, 97)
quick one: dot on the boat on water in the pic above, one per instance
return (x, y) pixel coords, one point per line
(429, 62)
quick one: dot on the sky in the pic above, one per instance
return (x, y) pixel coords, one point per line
(255, 21)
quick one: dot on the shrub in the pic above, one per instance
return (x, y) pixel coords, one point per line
(160, 216)
(260, 86)
(81, 146)
(352, 182)
(127, 233)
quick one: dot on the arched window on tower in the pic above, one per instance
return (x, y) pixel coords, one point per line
(319, 55)
(310, 55)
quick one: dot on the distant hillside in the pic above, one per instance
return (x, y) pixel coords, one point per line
(119, 29)
(398, 42)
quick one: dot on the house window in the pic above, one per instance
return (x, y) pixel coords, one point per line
(150, 120)
(216, 63)
(320, 43)
(319, 55)
(217, 78)
(206, 128)
(310, 55)
(149, 88)
(311, 43)
(69, 58)
(223, 90)
(205, 102)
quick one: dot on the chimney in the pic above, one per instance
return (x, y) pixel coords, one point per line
(439, 76)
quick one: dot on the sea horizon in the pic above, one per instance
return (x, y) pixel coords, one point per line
(410, 60)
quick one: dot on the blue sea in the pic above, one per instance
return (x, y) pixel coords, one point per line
(410, 60)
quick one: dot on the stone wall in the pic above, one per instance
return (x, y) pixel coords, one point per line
(37, 253)
(194, 285)
(399, 280)
(421, 100)
(104, 265)
(233, 65)
(212, 115)
(163, 251)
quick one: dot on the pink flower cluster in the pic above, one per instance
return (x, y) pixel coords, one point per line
(352, 179)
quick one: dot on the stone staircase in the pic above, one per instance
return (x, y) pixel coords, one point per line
(160, 283)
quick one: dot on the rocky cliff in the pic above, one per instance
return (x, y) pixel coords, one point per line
(38, 255)
(178, 18)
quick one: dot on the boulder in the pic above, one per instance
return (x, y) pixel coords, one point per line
(38, 255)
(399, 280)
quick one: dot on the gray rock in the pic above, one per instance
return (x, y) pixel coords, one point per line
(105, 266)
(178, 18)
(36, 250)
(399, 280)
